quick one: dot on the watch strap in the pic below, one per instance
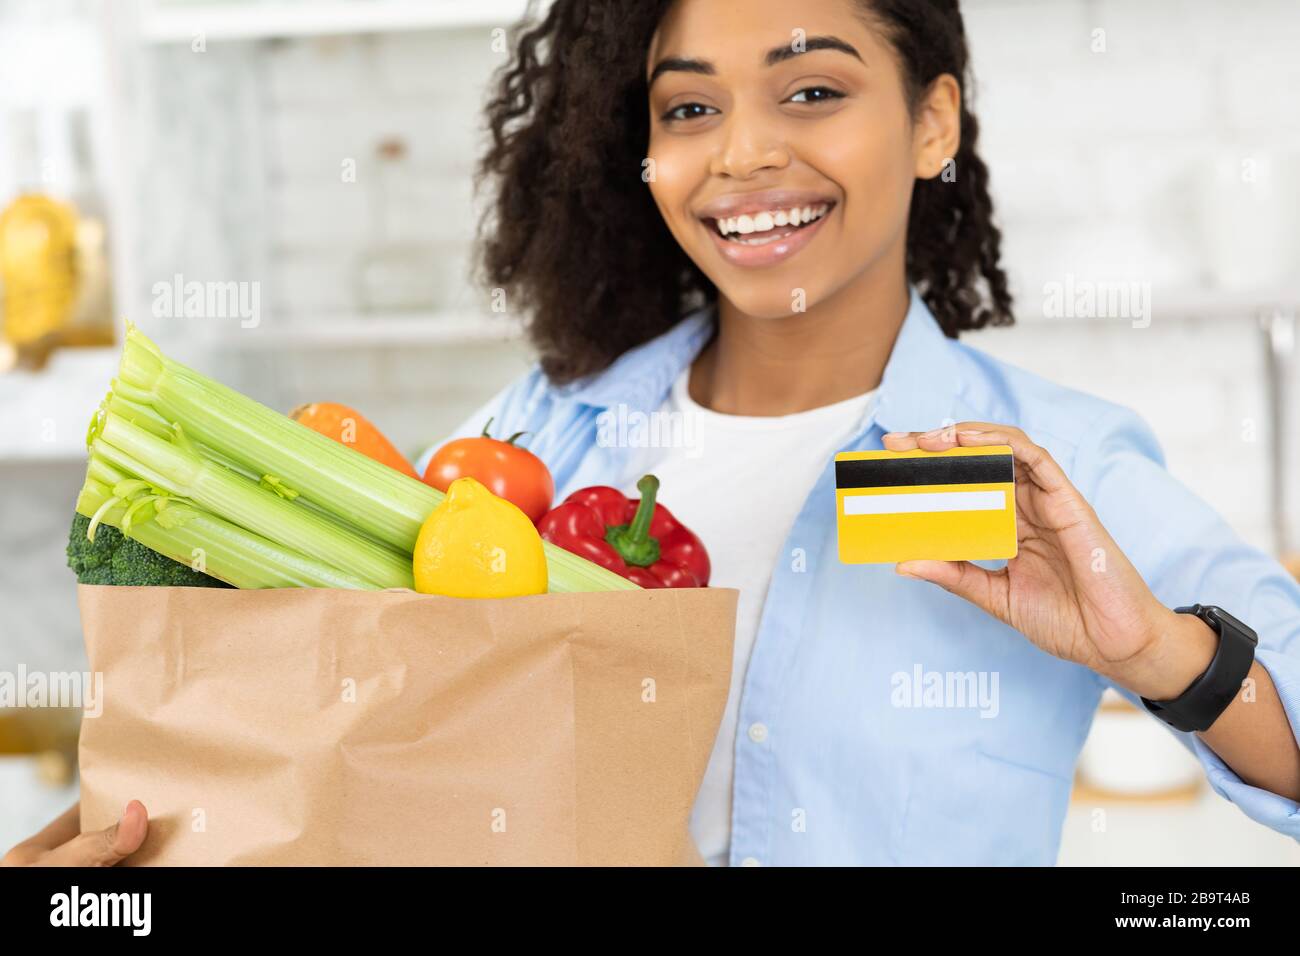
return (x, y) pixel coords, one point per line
(1200, 705)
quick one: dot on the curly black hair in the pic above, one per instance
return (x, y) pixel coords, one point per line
(573, 231)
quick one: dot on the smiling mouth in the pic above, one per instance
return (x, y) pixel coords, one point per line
(759, 229)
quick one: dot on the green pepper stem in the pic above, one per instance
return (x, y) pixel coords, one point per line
(639, 531)
(632, 541)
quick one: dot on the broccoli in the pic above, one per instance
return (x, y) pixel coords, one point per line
(113, 558)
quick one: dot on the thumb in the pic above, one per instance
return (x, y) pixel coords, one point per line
(982, 588)
(105, 847)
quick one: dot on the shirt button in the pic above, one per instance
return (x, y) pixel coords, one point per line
(758, 733)
(750, 861)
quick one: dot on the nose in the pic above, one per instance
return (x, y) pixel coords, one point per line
(748, 145)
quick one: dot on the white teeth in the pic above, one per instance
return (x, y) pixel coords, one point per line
(771, 219)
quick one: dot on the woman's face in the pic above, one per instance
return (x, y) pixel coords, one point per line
(751, 137)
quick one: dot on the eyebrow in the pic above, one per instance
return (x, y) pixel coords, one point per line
(773, 56)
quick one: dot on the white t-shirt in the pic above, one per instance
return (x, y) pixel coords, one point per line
(738, 482)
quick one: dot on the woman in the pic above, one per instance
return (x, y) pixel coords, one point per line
(804, 183)
(812, 338)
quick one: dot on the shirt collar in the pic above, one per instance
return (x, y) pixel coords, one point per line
(917, 392)
(640, 377)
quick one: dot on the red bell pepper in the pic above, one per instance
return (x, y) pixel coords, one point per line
(638, 539)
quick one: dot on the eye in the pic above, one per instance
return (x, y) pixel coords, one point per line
(823, 94)
(687, 111)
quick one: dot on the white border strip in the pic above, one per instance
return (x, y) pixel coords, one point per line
(926, 501)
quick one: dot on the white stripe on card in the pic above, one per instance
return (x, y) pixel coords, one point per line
(909, 503)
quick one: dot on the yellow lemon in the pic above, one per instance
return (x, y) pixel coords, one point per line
(477, 545)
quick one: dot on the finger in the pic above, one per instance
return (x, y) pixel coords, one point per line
(1033, 460)
(899, 441)
(985, 589)
(937, 439)
(104, 847)
(60, 831)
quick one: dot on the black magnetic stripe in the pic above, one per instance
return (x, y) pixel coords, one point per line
(939, 470)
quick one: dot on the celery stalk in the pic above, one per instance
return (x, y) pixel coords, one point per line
(184, 472)
(230, 553)
(148, 419)
(365, 494)
(357, 489)
(140, 415)
(567, 573)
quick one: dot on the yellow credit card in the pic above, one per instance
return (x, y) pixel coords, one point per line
(955, 505)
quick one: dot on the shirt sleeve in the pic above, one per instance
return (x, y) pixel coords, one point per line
(507, 409)
(1188, 554)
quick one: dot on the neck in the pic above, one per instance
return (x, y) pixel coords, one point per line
(780, 366)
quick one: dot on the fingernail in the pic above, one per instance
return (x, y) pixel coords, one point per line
(894, 434)
(971, 431)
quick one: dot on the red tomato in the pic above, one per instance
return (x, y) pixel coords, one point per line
(505, 469)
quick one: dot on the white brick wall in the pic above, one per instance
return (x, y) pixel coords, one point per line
(335, 171)
(1111, 164)
(404, 223)
(1126, 165)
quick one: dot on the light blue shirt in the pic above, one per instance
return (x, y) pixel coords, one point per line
(855, 767)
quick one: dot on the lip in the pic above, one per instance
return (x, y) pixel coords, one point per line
(769, 254)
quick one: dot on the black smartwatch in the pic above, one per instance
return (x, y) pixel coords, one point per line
(1198, 707)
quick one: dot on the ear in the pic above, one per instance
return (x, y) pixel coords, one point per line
(937, 134)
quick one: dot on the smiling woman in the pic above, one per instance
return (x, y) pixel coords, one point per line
(734, 114)
(772, 219)
(824, 119)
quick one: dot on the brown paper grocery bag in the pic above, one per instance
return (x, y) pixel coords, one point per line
(333, 727)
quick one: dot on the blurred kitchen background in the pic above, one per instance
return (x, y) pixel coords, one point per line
(318, 156)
